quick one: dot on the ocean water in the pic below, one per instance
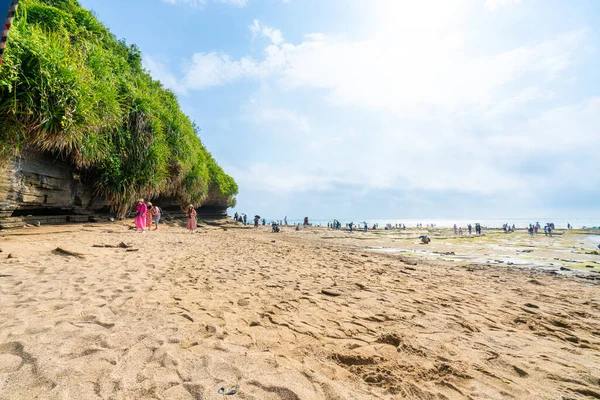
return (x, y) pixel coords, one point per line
(560, 223)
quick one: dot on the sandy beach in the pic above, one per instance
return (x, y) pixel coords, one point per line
(313, 314)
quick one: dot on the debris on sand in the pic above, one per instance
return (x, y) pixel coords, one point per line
(331, 292)
(121, 245)
(64, 252)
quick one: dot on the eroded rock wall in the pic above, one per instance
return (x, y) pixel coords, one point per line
(38, 187)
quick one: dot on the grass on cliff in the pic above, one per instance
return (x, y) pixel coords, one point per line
(69, 86)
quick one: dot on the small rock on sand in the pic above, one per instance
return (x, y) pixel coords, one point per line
(331, 292)
(9, 363)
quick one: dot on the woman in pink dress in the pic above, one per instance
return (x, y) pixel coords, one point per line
(140, 215)
(191, 218)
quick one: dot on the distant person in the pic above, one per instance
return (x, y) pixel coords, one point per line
(156, 214)
(285, 220)
(460, 231)
(469, 227)
(530, 230)
(245, 219)
(140, 215)
(275, 227)
(236, 216)
(351, 225)
(454, 228)
(191, 218)
(305, 222)
(264, 222)
(256, 219)
(149, 215)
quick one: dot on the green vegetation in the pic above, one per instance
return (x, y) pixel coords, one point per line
(70, 87)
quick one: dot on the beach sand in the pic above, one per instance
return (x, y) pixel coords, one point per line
(296, 315)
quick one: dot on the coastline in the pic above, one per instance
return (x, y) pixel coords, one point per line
(307, 314)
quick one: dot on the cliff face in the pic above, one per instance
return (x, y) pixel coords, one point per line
(38, 187)
(70, 87)
(35, 186)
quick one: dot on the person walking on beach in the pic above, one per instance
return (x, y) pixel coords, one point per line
(149, 215)
(454, 229)
(245, 219)
(305, 222)
(140, 215)
(469, 227)
(256, 219)
(285, 220)
(191, 218)
(156, 213)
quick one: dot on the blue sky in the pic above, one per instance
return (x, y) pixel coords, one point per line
(385, 108)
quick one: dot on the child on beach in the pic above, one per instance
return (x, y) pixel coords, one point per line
(140, 215)
(156, 213)
(191, 218)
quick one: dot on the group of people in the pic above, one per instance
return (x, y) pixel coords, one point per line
(243, 218)
(508, 228)
(335, 225)
(459, 230)
(548, 228)
(146, 214)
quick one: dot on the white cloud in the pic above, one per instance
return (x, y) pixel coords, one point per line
(279, 179)
(216, 69)
(201, 3)
(494, 5)
(399, 75)
(446, 116)
(273, 34)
